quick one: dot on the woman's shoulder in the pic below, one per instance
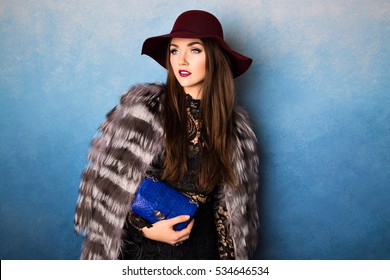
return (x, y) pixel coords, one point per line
(242, 123)
(146, 93)
(140, 102)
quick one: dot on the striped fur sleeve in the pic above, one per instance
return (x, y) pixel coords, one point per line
(119, 155)
(240, 201)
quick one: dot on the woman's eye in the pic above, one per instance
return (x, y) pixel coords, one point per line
(173, 51)
(196, 51)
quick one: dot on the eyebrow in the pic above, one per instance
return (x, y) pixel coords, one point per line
(189, 45)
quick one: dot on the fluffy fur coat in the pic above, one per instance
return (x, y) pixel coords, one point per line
(127, 142)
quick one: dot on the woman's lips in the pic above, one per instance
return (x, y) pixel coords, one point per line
(184, 73)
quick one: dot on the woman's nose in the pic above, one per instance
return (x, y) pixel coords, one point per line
(183, 59)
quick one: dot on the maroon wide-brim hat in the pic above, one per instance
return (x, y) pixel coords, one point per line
(195, 24)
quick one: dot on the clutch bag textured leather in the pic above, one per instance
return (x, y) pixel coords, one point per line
(155, 201)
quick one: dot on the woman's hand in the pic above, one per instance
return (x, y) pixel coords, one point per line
(163, 230)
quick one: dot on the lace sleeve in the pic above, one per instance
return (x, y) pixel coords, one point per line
(225, 242)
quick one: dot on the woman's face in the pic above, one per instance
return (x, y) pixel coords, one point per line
(188, 61)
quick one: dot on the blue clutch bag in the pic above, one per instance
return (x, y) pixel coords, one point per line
(155, 201)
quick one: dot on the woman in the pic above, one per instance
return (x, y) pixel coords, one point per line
(189, 134)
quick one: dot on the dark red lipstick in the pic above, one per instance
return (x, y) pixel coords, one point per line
(184, 73)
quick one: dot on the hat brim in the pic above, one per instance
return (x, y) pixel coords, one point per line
(156, 48)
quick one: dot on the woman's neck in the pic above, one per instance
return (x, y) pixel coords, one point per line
(194, 94)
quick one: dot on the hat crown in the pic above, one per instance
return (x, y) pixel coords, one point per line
(199, 23)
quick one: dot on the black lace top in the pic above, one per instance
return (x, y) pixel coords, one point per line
(203, 242)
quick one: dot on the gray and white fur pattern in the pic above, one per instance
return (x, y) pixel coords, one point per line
(122, 152)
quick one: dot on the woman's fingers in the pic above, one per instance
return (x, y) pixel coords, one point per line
(178, 219)
(163, 230)
(184, 234)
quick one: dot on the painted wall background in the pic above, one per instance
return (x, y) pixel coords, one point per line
(318, 94)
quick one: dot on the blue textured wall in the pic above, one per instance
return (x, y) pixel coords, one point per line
(318, 93)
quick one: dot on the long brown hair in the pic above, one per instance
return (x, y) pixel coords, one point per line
(217, 104)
